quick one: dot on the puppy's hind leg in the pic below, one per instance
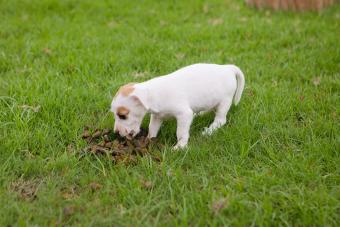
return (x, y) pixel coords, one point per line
(220, 117)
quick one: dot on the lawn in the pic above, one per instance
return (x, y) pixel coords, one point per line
(276, 162)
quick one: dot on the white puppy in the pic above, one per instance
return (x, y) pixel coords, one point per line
(189, 90)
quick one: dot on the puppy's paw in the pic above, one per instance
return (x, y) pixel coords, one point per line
(207, 131)
(150, 136)
(179, 146)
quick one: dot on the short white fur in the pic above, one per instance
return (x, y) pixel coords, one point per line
(181, 94)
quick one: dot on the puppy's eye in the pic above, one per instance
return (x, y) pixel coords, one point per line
(122, 117)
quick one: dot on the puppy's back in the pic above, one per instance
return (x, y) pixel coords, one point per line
(201, 86)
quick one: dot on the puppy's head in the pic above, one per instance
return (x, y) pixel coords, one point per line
(129, 107)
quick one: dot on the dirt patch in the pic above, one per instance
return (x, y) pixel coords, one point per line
(69, 210)
(70, 193)
(218, 205)
(146, 184)
(25, 189)
(95, 186)
(119, 149)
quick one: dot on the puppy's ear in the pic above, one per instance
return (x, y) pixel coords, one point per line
(141, 96)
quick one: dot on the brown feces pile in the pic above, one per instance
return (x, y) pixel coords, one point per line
(119, 149)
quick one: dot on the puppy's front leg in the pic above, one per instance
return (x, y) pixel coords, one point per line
(184, 120)
(155, 124)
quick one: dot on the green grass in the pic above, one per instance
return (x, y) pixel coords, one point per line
(276, 162)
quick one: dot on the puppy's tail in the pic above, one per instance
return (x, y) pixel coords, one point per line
(240, 83)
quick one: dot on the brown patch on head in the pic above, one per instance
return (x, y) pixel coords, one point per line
(126, 89)
(122, 110)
